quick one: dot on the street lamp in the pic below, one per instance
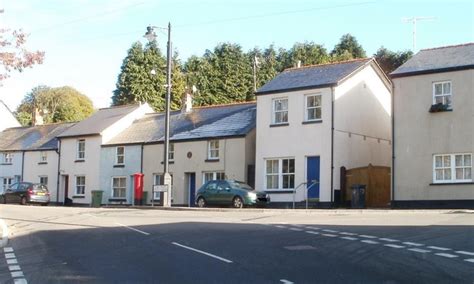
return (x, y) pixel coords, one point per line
(151, 36)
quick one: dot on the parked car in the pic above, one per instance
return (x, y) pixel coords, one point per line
(230, 192)
(26, 192)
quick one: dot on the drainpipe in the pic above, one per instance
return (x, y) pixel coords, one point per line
(393, 143)
(58, 151)
(141, 159)
(22, 164)
(332, 145)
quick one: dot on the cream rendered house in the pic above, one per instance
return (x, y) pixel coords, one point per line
(31, 154)
(313, 120)
(434, 129)
(207, 143)
(7, 119)
(80, 150)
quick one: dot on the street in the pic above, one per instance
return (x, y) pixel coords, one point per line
(97, 245)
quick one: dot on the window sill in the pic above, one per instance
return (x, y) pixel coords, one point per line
(279, 124)
(312, 121)
(451, 183)
(169, 162)
(6, 164)
(79, 196)
(79, 161)
(439, 108)
(211, 160)
(117, 200)
(119, 166)
(42, 163)
(279, 191)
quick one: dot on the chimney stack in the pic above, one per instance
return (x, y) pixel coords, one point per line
(37, 118)
(187, 103)
(299, 64)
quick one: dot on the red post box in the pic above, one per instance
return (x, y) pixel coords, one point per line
(138, 188)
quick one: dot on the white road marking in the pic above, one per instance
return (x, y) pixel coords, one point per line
(312, 232)
(349, 238)
(469, 260)
(12, 261)
(329, 235)
(280, 226)
(20, 281)
(10, 255)
(413, 244)
(133, 229)
(8, 249)
(296, 229)
(448, 255)
(438, 248)
(465, 252)
(329, 231)
(388, 240)
(312, 228)
(394, 246)
(347, 234)
(419, 250)
(14, 267)
(367, 236)
(17, 274)
(203, 252)
(369, 242)
(284, 281)
(4, 240)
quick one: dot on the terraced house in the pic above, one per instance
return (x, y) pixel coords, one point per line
(207, 143)
(313, 120)
(434, 129)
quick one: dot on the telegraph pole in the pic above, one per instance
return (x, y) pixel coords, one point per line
(413, 20)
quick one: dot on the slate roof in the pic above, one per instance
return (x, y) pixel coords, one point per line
(99, 121)
(200, 123)
(310, 77)
(40, 137)
(441, 59)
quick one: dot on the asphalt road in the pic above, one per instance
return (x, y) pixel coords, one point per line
(86, 245)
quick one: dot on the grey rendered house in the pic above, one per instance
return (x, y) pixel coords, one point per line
(433, 129)
(206, 143)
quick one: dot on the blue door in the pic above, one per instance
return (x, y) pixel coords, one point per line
(192, 189)
(312, 175)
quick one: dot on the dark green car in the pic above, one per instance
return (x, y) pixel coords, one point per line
(230, 192)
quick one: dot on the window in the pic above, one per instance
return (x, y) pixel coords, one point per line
(81, 149)
(452, 168)
(313, 107)
(120, 155)
(7, 158)
(80, 185)
(280, 111)
(212, 176)
(43, 180)
(119, 188)
(280, 173)
(171, 152)
(442, 93)
(213, 150)
(43, 157)
(158, 179)
(7, 181)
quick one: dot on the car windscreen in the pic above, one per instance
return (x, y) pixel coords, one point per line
(239, 184)
(39, 187)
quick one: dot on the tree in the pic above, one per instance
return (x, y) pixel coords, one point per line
(308, 53)
(347, 48)
(62, 104)
(13, 54)
(389, 60)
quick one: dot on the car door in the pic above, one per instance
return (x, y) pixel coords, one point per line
(210, 193)
(10, 193)
(224, 192)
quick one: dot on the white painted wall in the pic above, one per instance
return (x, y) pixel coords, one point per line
(34, 169)
(7, 119)
(131, 166)
(12, 170)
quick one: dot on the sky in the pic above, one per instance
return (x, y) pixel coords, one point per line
(85, 41)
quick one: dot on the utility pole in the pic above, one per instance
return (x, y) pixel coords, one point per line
(255, 66)
(413, 20)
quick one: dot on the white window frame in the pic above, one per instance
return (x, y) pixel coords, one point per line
(216, 175)
(274, 111)
(43, 177)
(118, 156)
(158, 179)
(8, 158)
(452, 168)
(79, 152)
(171, 152)
(6, 184)
(124, 187)
(43, 157)
(76, 185)
(308, 108)
(443, 95)
(213, 151)
(280, 173)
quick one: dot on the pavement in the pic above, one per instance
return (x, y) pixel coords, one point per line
(98, 245)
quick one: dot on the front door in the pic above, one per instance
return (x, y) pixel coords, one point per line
(192, 189)
(312, 177)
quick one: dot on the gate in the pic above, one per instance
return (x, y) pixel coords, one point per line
(377, 180)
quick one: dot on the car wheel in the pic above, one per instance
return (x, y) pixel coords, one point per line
(201, 202)
(23, 200)
(237, 202)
